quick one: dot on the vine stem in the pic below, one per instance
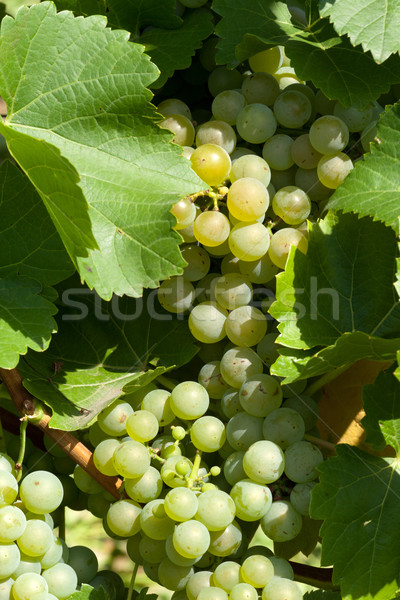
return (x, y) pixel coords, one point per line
(318, 442)
(132, 582)
(26, 405)
(316, 576)
(195, 470)
(22, 446)
(327, 378)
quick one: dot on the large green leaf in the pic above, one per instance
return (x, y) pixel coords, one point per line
(26, 319)
(93, 105)
(133, 15)
(372, 23)
(372, 188)
(86, 592)
(381, 401)
(358, 498)
(85, 8)
(99, 349)
(344, 284)
(354, 77)
(172, 51)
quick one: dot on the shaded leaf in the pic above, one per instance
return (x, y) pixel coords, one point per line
(84, 8)
(382, 406)
(88, 593)
(322, 595)
(133, 15)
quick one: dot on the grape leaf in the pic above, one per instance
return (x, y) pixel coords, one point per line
(358, 498)
(354, 77)
(382, 407)
(133, 15)
(26, 319)
(397, 371)
(29, 241)
(371, 23)
(350, 347)
(86, 592)
(93, 106)
(372, 188)
(99, 349)
(84, 8)
(322, 595)
(173, 50)
(344, 284)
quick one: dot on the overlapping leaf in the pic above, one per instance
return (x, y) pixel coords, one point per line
(99, 349)
(86, 592)
(381, 401)
(133, 15)
(371, 23)
(82, 89)
(373, 187)
(85, 8)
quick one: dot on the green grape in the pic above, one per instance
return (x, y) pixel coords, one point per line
(216, 510)
(198, 262)
(259, 271)
(323, 105)
(212, 593)
(304, 89)
(189, 400)
(142, 426)
(208, 434)
(145, 488)
(257, 570)
(12, 524)
(169, 472)
(333, 169)
(211, 163)
(227, 105)
(154, 521)
(131, 459)
(260, 88)
(249, 241)
(260, 394)
(36, 538)
(207, 322)
(250, 165)
(173, 106)
(283, 426)
(41, 492)
(181, 127)
(96, 435)
(98, 505)
(133, 551)
(103, 456)
(233, 468)
(301, 460)
(150, 550)
(227, 575)
(112, 420)
(211, 228)
(286, 76)
(256, 123)
(9, 559)
(354, 118)
(243, 430)
(27, 564)
(281, 179)
(27, 585)
(240, 151)
(303, 152)
(304, 405)
(227, 541)
(5, 588)
(123, 517)
(191, 539)
(218, 133)
(247, 199)
(329, 134)
(197, 582)
(292, 205)
(85, 482)
(260, 550)
(292, 109)
(264, 462)
(174, 556)
(229, 264)
(61, 579)
(222, 78)
(307, 180)
(252, 499)
(181, 504)
(205, 288)
(243, 591)
(267, 349)
(282, 567)
(220, 250)
(246, 325)
(178, 432)
(238, 364)
(277, 152)
(157, 402)
(185, 212)
(84, 562)
(368, 135)
(233, 290)
(280, 588)
(176, 295)
(267, 61)
(300, 497)
(230, 404)
(7, 463)
(210, 378)
(281, 243)
(282, 522)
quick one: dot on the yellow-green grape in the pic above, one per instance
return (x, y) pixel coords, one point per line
(211, 228)
(259, 271)
(307, 180)
(212, 593)
(250, 165)
(181, 127)
(142, 426)
(282, 241)
(198, 262)
(249, 241)
(333, 169)
(277, 152)
(291, 204)
(211, 163)
(211, 379)
(205, 288)
(354, 118)
(189, 400)
(303, 152)
(292, 109)
(185, 212)
(329, 134)
(218, 133)
(173, 577)
(207, 322)
(240, 151)
(8, 488)
(267, 61)
(243, 591)
(187, 151)
(227, 105)
(222, 78)
(227, 541)
(286, 76)
(229, 264)
(227, 575)
(123, 517)
(257, 570)
(220, 250)
(208, 434)
(260, 87)
(173, 106)
(247, 199)
(280, 588)
(237, 364)
(157, 402)
(233, 290)
(282, 522)
(197, 582)
(256, 123)
(246, 325)
(191, 539)
(176, 295)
